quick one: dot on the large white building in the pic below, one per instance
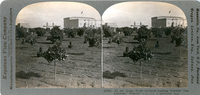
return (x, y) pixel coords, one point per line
(167, 21)
(76, 22)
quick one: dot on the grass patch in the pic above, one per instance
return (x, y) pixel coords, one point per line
(23, 75)
(44, 42)
(76, 53)
(109, 75)
(162, 53)
(109, 47)
(21, 47)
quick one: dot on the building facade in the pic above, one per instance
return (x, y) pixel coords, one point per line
(134, 25)
(167, 21)
(77, 22)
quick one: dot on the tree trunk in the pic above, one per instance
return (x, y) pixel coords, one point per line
(55, 67)
(140, 69)
(141, 72)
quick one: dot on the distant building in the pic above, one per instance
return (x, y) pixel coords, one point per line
(111, 25)
(48, 27)
(167, 21)
(25, 25)
(76, 22)
(114, 25)
(137, 26)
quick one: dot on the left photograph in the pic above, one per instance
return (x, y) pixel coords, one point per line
(58, 45)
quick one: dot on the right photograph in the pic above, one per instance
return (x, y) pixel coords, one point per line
(144, 45)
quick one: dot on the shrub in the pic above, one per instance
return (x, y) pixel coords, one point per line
(40, 31)
(140, 52)
(108, 31)
(56, 34)
(55, 52)
(80, 31)
(21, 32)
(127, 31)
(178, 36)
(143, 35)
(117, 38)
(93, 36)
(30, 39)
(71, 33)
(168, 31)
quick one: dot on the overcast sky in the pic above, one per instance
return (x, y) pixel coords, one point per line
(39, 13)
(125, 14)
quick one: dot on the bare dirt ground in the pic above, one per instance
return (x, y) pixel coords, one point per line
(168, 67)
(82, 68)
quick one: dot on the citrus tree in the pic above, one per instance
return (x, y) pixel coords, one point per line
(93, 36)
(127, 31)
(55, 53)
(70, 32)
(140, 53)
(31, 39)
(21, 32)
(143, 35)
(40, 31)
(168, 30)
(108, 31)
(56, 34)
(178, 36)
(26, 35)
(80, 31)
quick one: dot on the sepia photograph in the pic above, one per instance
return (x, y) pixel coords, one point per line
(98, 47)
(58, 45)
(144, 45)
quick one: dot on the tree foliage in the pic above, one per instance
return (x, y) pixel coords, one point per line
(108, 31)
(168, 30)
(93, 36)
(178, 36)
(117, 38)
(21, 32)
(140, 52)
(55, 52)
(80, 31)
(40, 31)
(143, 35)
(30, 39)
(56, 34)
(70, 32)
(127, 31)
(157, 31)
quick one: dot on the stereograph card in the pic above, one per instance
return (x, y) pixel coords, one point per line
(98, 47)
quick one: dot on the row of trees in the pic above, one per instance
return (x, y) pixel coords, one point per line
(177, 34)
(143, 33)
(110, 31)
(141, 52)
(91, 35)
(22, 32)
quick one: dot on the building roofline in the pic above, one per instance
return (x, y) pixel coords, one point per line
(165, 17)
(74, 17)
